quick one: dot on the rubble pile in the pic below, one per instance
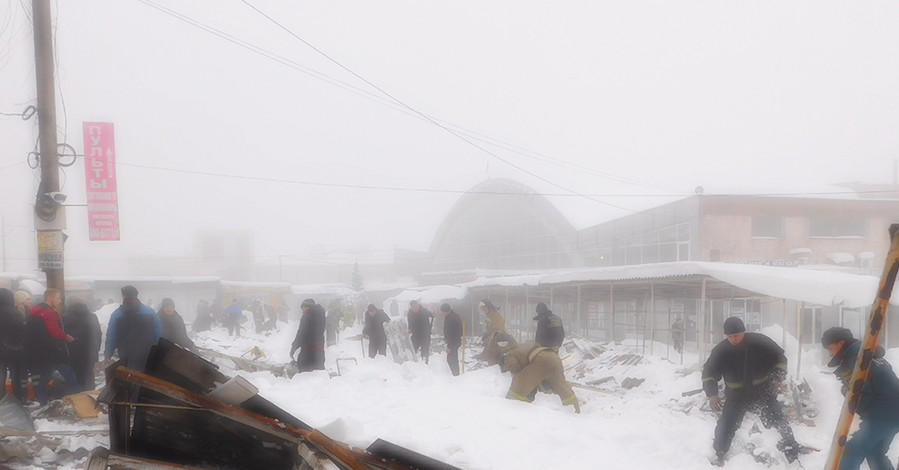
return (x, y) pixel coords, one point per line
(184, 411)
(21, 445)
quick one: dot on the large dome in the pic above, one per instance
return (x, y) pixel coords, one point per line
(503, 224)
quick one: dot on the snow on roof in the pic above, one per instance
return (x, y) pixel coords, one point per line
(840, 257)
(378, 286)
(32, 287)
(255, 284)
(817, 287)
(432, 294)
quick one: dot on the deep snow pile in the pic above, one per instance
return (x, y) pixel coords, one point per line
(467, 422)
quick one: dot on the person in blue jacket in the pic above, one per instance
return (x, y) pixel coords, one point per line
(133, 329)
(878, 406)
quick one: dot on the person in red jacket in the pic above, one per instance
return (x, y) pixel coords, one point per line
(46, 344)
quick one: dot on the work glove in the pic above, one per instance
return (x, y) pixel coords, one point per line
(715, 403)
(577, 407)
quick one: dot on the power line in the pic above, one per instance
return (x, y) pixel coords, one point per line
(11, 165)
(369, 187)
(496, 193)
(393, 104)
(426, 117)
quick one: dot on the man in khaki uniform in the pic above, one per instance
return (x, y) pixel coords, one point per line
(530, 365)
(495, 323)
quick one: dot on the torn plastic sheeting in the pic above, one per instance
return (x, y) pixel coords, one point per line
(13, 416)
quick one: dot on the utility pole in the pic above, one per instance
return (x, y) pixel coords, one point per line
(3, 234)
(49, 225)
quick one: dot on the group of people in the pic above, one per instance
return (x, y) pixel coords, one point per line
(533, 365)
(420, 322)
(752, 365)
(38, 339)
(54, 336)
(265, 316)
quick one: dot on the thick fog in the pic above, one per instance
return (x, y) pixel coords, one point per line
(314, 128)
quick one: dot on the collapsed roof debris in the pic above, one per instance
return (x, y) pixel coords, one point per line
(21, 443)
(169, 414)
(13, 417)
(252, 365)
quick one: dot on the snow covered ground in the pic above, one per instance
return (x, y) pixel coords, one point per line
(466, 421)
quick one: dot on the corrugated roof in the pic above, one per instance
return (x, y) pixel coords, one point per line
(814, 286)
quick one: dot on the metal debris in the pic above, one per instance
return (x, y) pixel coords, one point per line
(168, 415)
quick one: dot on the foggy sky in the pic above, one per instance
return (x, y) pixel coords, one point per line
(635, 103)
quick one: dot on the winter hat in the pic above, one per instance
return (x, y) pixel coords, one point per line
(733, 325)
(542, 308)
(835, 335)
(21, 296)
(371, 308)
(129, 292)
(167, 302)
(487, 303)
(446, 308)
(413, 303)
(307, 303)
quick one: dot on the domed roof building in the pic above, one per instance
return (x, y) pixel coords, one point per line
(501, 224)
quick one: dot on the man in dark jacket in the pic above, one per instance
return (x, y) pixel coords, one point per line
(420, 321)
(45, 344)
(173, 328)
(878, 406)
(677, 335)
(374, 329)
(452, 334)
(310, 339)
(84, 352)
(550, 332)
(333, 323)
(133, 329)
(12, 345)
(203, 320)
(751, 365)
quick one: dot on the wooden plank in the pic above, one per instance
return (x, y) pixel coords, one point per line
(866, 352)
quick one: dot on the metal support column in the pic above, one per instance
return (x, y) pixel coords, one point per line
(652, 315)
(579, 325)
(703, 322)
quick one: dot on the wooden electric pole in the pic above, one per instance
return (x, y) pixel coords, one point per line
(49, 232)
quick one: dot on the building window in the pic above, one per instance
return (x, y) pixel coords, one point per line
(683, 252)
(838, 227)
(767, 227)
(664, 245)
(667, 252)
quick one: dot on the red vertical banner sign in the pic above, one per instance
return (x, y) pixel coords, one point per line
(100, 182)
